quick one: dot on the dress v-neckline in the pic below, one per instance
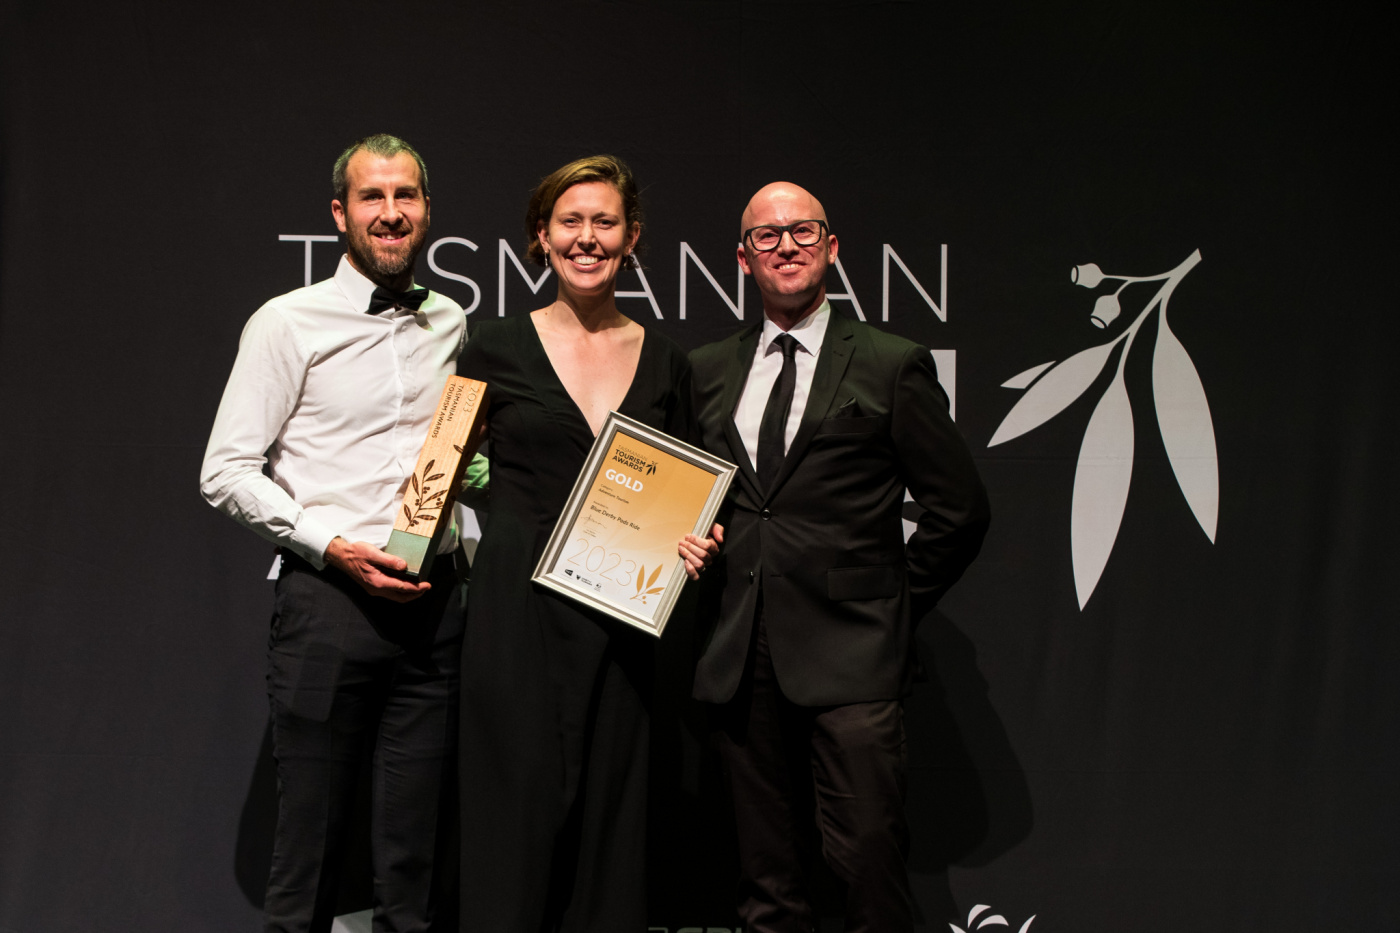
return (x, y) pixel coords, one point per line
(559, 383)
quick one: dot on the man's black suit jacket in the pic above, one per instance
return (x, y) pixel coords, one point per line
(841, 590)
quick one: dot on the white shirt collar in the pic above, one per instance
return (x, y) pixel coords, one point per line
(355, 285)
(809, 332)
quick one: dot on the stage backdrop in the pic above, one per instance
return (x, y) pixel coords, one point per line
(1148, 245)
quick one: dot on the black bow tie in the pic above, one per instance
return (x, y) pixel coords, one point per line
(388, 298)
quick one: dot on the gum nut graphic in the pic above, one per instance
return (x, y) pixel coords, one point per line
(1087, 275)
(1105, 311)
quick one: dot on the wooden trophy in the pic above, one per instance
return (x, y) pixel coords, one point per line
(432, 487)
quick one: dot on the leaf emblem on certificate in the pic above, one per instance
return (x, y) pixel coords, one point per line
(650, 587)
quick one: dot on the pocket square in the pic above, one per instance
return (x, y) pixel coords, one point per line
(848, 409)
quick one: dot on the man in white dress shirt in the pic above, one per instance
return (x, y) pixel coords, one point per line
(320, 424)
(812, 603)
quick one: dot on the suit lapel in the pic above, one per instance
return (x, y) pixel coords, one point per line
(831, 367)
(736, 374)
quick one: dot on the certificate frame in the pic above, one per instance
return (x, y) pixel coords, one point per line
(565, 574)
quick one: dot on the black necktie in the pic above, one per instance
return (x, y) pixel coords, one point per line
(772, 430)
(388, 298)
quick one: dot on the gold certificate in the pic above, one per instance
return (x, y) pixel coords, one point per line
(640, 492)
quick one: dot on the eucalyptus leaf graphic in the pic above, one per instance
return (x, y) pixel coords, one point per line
(1054, 392)
(1023, 379)
(1027, 925)
(408, 515)
(1187, 431)
(654, 574)
(1105, 464)
(429, 479)
(413, 478)
(641, 573)
(1101, 486)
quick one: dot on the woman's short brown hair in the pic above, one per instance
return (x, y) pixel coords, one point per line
(604, 168)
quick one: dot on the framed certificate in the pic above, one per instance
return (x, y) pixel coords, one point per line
(639, 493)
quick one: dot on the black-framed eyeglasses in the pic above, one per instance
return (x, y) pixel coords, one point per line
(803, 233)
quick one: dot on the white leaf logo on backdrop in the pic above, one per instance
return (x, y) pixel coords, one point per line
(992, 920)
(1105, 466)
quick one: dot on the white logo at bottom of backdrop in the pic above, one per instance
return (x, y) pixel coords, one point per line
(993, 920)
(1105, 465)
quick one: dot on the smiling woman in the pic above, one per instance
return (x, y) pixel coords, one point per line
(605, 169)
(555, 697)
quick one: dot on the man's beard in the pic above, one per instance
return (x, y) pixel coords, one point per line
(378, 265)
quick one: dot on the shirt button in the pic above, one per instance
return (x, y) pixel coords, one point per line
(765, 515)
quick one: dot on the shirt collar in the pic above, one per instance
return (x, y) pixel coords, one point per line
(354, 285)
(808, 332)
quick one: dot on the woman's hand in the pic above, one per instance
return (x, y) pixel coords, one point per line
(699, 552)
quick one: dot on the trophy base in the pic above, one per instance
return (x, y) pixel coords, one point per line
(417, 550)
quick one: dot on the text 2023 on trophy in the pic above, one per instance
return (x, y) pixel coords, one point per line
(432, 488)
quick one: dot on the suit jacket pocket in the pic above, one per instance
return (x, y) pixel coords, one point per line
(879, 582)
(862, 425)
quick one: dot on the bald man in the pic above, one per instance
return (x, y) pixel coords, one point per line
(809, 611)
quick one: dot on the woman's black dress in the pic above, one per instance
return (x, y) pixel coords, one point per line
(555, 697)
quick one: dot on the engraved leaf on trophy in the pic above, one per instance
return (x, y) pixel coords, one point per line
(1053, 392)
(1183, 414)
(427, 500)
(1101, 486)
(459, 448)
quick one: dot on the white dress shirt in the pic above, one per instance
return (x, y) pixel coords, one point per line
(336, 403)
(768, 364)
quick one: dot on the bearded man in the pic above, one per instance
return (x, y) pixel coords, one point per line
(322, 420)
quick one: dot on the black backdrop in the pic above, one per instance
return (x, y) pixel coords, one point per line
(1209, 743)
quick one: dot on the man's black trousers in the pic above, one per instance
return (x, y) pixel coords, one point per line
(845, 765)
(351, 675)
